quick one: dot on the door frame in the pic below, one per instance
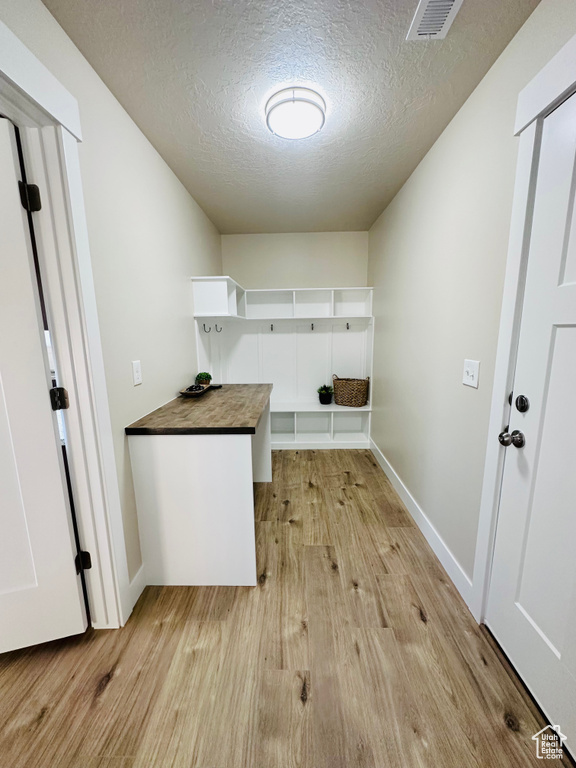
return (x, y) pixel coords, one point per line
(49, 121)
(551, 86)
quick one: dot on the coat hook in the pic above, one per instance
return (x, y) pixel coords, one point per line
(271, 326)
(204, 326)
(347, 326)
(216, 326)
(312, 326)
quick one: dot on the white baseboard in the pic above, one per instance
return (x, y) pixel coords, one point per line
(136, 587)
(452, 567)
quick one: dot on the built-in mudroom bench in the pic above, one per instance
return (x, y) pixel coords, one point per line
(296, 339)
(194, 461)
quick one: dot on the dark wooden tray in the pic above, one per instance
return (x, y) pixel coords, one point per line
(199, 393)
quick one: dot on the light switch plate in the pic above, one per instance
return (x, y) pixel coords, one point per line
(471, 373)
(136, 372)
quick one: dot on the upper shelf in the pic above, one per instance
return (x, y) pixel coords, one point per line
(223, 297)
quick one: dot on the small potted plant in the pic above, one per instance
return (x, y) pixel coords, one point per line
(204, 379)
(325, 392)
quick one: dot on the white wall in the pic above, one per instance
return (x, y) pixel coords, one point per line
(437, 258)
(297, 260)
(147, 237)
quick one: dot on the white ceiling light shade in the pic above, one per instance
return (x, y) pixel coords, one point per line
(295, 113)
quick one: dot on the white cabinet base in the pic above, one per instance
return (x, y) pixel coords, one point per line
(195, 507)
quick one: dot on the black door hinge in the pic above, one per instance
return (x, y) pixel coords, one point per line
(59, 399)
(30, 197)
(83, 561)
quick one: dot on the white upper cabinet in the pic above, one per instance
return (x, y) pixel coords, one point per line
(223, 297)
(217, 297)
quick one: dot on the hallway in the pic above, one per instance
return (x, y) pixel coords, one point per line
(354, 650)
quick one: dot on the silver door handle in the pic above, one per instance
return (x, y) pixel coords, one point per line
(516, 439)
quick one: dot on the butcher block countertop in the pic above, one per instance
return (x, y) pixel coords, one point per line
(233, 410)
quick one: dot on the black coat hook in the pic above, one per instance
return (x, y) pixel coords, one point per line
(347, 326)
(312, 326)
(271, 326)
(216, 326)
(204, 326)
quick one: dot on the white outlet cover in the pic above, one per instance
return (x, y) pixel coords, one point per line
(471, 373)
(136, 372)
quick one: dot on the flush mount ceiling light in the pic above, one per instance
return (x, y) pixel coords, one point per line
(295, 113)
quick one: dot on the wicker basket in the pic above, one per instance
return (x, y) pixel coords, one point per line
(350, 392)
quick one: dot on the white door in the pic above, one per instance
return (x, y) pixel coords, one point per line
(40, 593)
(532, 600)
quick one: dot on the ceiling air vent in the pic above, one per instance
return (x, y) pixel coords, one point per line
(433, 19)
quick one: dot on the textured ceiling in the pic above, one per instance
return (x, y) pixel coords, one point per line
(195, 75)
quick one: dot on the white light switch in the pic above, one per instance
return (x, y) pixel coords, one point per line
(136, 372)
(471, 373)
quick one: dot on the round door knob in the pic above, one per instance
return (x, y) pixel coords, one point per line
(504, 438)
(517, 438)
(522, 403)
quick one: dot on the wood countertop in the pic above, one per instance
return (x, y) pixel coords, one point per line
(233, 410)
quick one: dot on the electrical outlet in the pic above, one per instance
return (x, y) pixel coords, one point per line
(471, 373)
(136, 372)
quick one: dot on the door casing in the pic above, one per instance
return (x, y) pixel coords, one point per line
(48, 118)
(554, 84)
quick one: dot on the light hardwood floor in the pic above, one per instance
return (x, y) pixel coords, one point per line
(354, 651)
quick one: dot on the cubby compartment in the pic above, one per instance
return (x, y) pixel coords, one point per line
(313, 427)
(269, 304)
(282, 427)
(352, 302)
(350, 427)
(313, 303)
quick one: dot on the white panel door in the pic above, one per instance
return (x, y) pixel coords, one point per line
(532, 600)
(40, 594)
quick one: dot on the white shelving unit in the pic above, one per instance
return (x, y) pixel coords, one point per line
(295, 339)
(223, 297)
